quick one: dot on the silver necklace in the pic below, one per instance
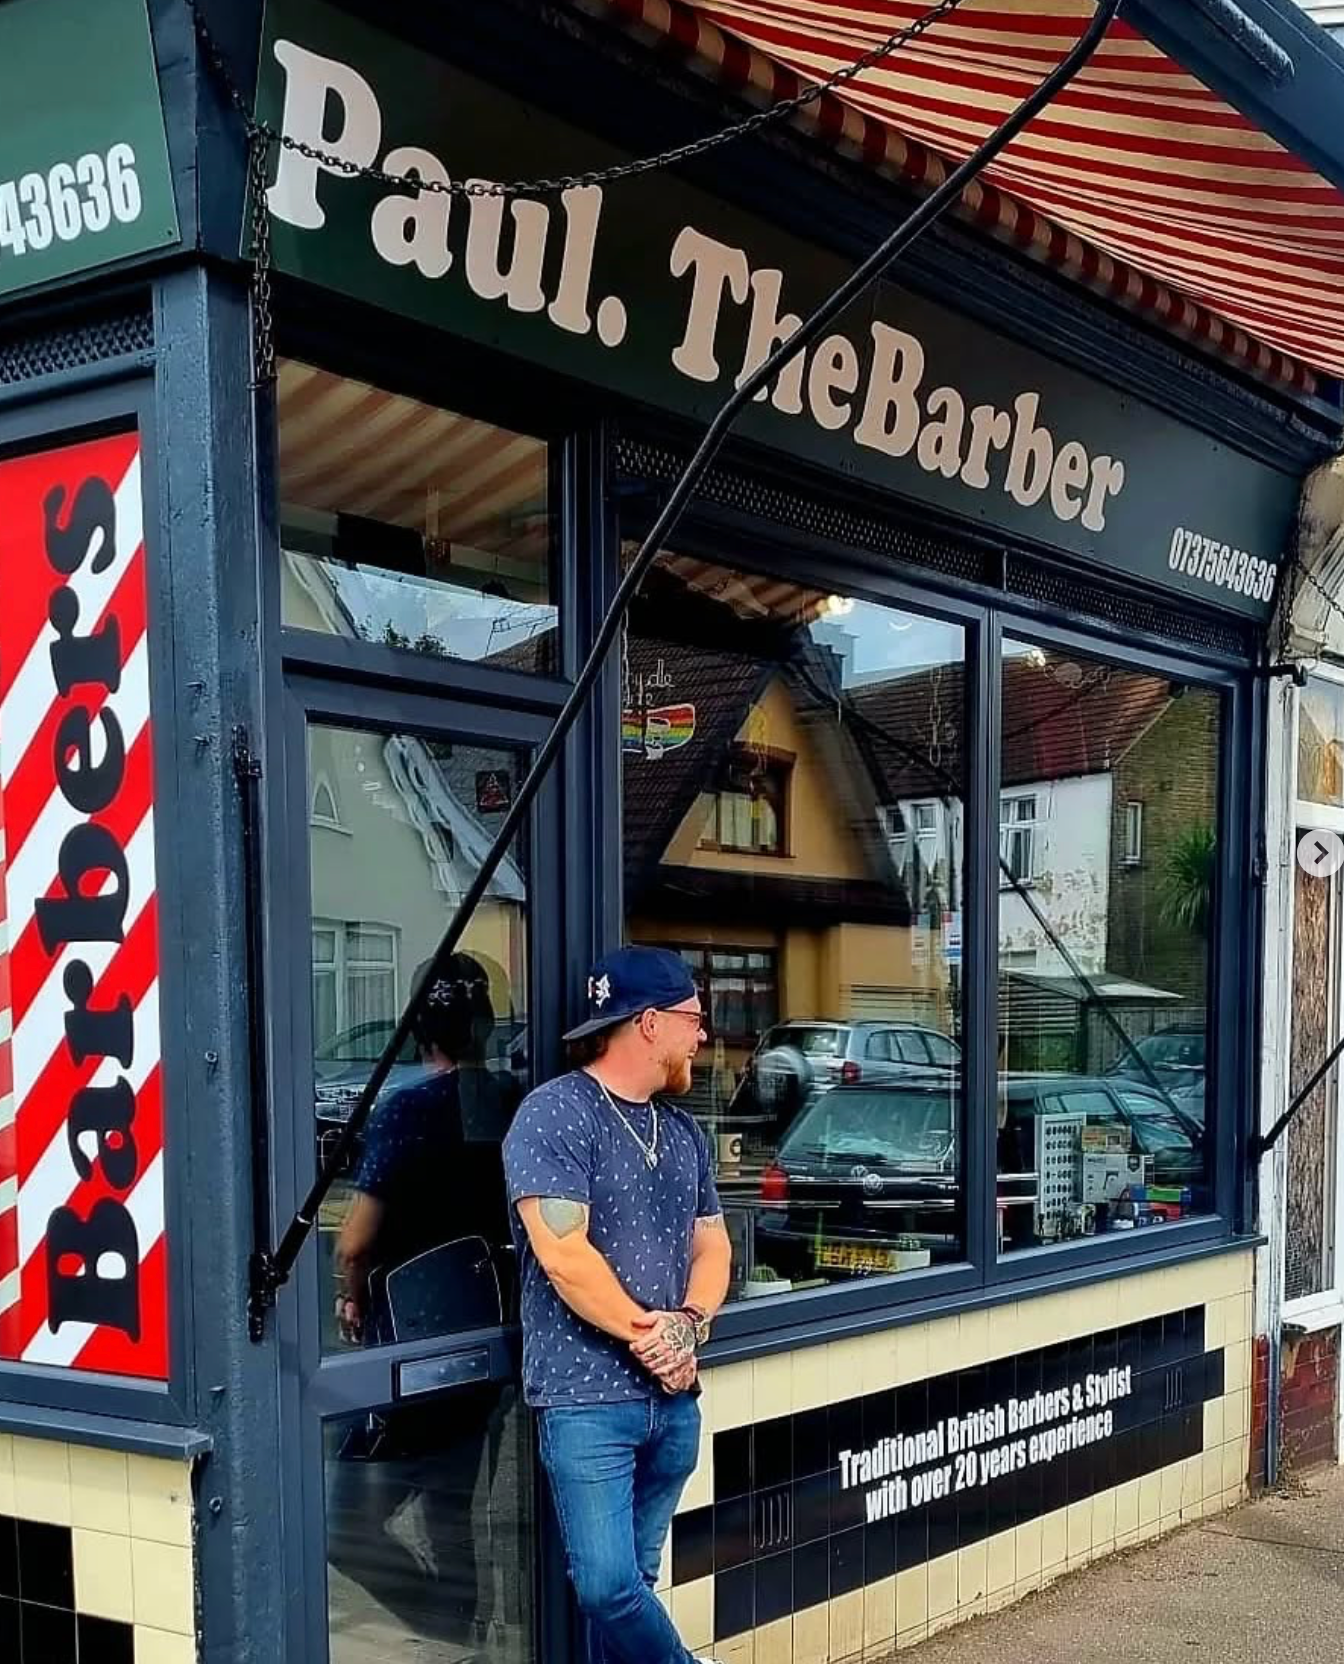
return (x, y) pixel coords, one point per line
(648, 1151)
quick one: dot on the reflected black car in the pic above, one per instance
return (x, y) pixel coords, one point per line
(867, 1179)
(1175, 1055)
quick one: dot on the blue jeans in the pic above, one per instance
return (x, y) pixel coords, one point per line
(617, 1472)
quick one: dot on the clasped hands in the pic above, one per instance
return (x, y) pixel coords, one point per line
(665, 1346)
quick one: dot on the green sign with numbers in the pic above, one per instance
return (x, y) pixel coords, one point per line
(84, 172)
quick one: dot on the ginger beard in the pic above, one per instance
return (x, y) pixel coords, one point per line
(677, 1054)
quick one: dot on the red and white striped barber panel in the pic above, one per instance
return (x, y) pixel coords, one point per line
(1136, 156)
(83, 1280)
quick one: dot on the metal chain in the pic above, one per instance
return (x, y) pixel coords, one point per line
(564, 182)
(263, 318)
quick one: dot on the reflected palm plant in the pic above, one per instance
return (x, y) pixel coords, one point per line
(1187, 880)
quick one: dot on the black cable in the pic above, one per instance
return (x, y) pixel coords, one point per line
(273, 1271)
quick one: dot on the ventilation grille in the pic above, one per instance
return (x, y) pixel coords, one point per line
(69, 346)
(1066, 592)
(1010, 574)
(817, 515)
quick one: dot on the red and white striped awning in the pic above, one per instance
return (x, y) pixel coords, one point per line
(1139, 181)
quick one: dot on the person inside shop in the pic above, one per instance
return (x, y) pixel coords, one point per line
(624, 1261)
(429, 1191)
(421, 1253)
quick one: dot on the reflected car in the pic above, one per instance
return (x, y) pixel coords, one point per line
(795, 1060)
(1176, 1056)
(867, 1179)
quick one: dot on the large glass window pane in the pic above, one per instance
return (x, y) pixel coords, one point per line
(410, 525)
(793, 785)
(417, 1228)
(1104, 946)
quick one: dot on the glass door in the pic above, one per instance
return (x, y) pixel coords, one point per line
(419, 1482)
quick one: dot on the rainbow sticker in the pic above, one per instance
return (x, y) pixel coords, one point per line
(652, 733)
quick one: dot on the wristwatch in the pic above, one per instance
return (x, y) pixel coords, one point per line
(699, 1321)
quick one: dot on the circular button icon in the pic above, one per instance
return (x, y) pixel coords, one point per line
(1320, 854)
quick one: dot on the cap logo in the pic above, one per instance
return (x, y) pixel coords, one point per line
(599, 990)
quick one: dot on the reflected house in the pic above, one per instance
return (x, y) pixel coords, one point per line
(409, 799)
(1108, 777)
(753, 833)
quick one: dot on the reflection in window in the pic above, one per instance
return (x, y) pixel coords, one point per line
(1107, 856)
(408, 525)
(418, 1225)
(793, 826)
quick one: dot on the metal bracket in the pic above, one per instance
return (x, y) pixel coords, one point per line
(1288, 667)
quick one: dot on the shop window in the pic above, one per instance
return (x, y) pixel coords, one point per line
(763, 717)
(1320, 742)
(417, 1225)
(413, 526)
(749, 808)
(1105, 922)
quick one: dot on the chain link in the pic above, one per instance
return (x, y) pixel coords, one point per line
(263, 318)
(556, 186)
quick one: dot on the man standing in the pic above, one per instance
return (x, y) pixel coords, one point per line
(624, 1261)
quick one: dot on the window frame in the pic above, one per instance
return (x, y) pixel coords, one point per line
(1134, 829)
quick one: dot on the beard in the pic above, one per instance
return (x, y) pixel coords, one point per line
(678, 1075)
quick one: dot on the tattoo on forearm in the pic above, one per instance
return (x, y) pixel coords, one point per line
(712, 1224)
(562, 1218)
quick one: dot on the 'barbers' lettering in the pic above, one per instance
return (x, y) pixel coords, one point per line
(92, 1263)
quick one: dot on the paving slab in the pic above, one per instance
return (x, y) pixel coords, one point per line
(1263, 1584)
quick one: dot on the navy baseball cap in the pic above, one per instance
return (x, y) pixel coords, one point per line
(632, 980)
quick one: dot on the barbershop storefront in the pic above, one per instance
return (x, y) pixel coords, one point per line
(932, 743)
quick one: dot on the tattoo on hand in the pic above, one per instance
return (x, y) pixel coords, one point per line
(560, 1217)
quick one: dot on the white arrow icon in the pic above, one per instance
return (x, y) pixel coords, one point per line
(1320, 854)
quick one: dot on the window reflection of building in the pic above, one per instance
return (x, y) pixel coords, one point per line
(1107, 838)
(772, 738)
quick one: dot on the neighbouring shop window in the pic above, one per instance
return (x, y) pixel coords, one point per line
(1108, 852)
(419, 1220)
(413, 526)
(1320, 742)
(793, 789)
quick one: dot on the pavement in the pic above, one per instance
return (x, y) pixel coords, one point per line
(1263, 1584)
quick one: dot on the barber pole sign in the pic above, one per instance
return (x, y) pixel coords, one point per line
(83, 1278)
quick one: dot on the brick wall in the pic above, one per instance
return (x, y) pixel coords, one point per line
(1309, 1406)
(1310, 1400)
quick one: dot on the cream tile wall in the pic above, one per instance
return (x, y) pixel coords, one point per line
(129, 1525)
(875, 1622)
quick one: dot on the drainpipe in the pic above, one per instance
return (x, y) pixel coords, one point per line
(270, 1270)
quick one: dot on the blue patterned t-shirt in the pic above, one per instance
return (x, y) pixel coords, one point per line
(566, 1141)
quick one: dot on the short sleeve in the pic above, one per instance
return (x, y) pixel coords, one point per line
(549, 1148)
(707, 1203)
(384, 1152)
